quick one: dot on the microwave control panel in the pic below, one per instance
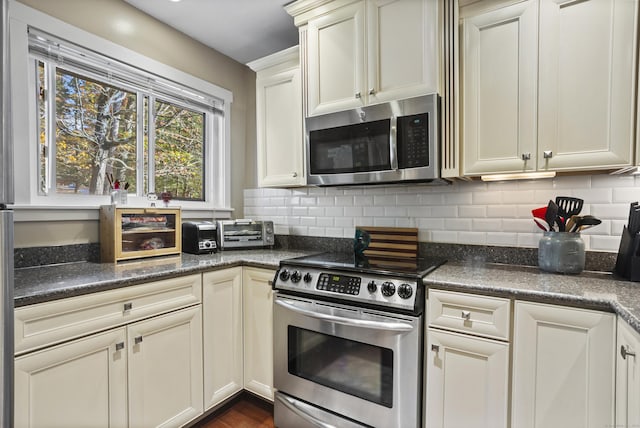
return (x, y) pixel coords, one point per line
(413, 140)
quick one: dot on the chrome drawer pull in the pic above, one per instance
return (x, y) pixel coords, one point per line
(626, 351)
(137, 340)
(466, 315)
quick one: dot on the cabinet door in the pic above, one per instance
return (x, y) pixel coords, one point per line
(467, 381)
(563, 367)
(279, 127)
(222, 334)
(402, 49)
(75, 385)
(627, 377)
(165, 369)
(499, 72)
(587, 81)
(335, 60)
(258, 331)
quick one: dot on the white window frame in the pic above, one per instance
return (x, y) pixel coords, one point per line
(29, 204)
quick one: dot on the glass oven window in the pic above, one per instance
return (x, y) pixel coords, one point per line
(353, 148)
(355, 368)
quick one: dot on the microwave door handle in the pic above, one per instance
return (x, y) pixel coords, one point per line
(351, 322)
(393, 143)
(292, 405)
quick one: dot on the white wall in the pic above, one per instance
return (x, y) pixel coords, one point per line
(465, 213)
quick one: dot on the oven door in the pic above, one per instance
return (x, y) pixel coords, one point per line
(359, 363)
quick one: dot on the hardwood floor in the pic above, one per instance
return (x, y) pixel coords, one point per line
(247, 412)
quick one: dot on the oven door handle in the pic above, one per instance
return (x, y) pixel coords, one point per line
(352, 322)
(291, 405)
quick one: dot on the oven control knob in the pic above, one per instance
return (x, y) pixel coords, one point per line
(405, 291)
(388, 289)
(372, 286)
(307, 277)
(284, 275)
(296, 276)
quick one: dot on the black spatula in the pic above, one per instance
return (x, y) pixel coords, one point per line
(568, 206)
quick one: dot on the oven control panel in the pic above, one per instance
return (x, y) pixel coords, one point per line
(371, 289)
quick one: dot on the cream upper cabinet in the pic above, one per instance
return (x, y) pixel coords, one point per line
(587, 77)
(499, 76)
(257, 299)
(77, 384)
(368, 51)
(222, 334)
(563, 367)
(279, 120)
(627, 377)
(548, 85)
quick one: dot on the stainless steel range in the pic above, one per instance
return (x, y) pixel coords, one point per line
(348, 337)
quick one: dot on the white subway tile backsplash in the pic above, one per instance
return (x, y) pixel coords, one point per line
(353, 211)
(473, 238)
(458, 224)
(388, 200)
(395, 212)
(373, 211)
(384, 222)
(344, 200)
(463, 212)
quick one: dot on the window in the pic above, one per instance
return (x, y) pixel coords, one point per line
(87, 115)
(102, 126)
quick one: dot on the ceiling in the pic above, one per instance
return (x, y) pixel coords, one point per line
(241, 29)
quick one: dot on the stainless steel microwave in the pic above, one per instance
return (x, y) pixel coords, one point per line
(383, 143)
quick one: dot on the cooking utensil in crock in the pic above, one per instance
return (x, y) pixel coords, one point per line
(551, 216)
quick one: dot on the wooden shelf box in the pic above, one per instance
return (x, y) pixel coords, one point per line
(129, 233)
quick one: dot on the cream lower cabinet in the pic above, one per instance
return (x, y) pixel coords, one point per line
(467, 381)
(74, 385)
(466, 361)
(153, 368)
(125, 357)
(257, 299)
(222, 335)
(627, 377)
(563, 367)
(165, 369)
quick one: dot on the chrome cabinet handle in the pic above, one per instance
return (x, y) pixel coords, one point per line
(625, 351)
(372, 91)
(295, 174)
(435, 348)
(137, 340)
(127, 306)
(466, 315)
(548, 154)
(351, 322)
(292, 405)
(119, 346)
(526, 156)
(358, 95)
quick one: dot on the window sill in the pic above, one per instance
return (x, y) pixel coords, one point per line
(38, 213)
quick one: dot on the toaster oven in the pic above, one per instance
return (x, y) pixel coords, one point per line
(245, 233)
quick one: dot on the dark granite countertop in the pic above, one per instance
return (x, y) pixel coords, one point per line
(51, 282)
(591, 290)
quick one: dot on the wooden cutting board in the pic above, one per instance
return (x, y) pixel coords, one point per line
(386, 242)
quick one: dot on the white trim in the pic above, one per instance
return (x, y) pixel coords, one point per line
(29, 213)
(24, 108)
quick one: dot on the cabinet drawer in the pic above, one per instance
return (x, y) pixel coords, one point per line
(47, 323)
(481, 315)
